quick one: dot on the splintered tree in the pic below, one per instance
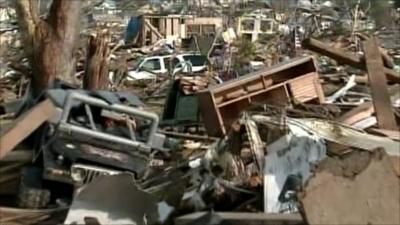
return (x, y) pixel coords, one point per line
(49, 42)
(96, 68)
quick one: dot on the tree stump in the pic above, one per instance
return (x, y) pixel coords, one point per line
(96, 68)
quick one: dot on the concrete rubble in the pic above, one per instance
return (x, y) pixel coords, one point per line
(207, 112)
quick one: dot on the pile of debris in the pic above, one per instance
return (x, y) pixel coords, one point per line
(265, 153)
(181, 119)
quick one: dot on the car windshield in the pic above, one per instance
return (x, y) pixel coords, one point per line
(195, 60)
(138, 62)
(151, 64)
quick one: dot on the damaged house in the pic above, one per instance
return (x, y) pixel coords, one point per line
(255, 26)
(173, 27)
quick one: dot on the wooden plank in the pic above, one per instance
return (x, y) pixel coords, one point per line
(19, 155)
(358, 113)
(392, 134)
(243, 218)
(25, 125)
(344, 57)
(175, 26)
(168, 26)
(187, 136)
(378, 85)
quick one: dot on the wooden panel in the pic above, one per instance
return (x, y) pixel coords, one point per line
(303, 89)
(210, 115)
(255, 85)
(277, 96)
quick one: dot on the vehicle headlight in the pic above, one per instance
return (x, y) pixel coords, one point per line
(78, 174)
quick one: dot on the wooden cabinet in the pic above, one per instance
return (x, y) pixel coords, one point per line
(284, 84)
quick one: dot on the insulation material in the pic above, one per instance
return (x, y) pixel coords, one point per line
(292, 154)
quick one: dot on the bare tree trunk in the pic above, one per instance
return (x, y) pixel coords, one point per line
(96, 69)
(49, 43)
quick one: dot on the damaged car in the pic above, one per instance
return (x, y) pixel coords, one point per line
(97, 133)
(150, 67)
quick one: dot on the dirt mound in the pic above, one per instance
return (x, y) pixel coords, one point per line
(360, 188)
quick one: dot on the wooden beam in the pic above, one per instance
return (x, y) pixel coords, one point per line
(344, 57)
(378, 85)
(24, 125)
(240, 218)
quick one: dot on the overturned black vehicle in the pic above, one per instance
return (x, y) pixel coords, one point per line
(97, 133)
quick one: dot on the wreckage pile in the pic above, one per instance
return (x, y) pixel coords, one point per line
(300, 133)
(279, 135)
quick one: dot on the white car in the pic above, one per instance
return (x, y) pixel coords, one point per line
(148, 68)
